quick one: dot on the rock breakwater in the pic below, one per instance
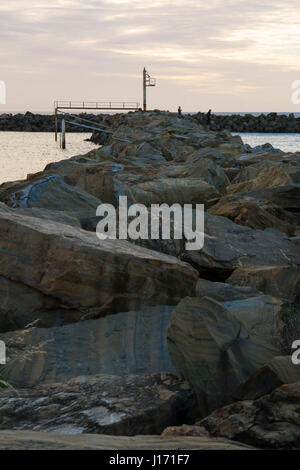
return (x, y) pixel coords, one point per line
(272, 122)
(125, 316)
(32, 122)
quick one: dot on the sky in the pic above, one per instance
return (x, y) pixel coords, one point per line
(228, 55)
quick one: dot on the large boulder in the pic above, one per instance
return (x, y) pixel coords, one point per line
(211, 151)
(76, 185)
(221, 291)
(279, 371)
(146, 151)
(85, 274)
(287, 197)
(21, 305)
(255, 214)
(215, 346)
(273, 176)
(124, 343)
(278, 281)
(270, 422)
(74, 219)
(100, 404)
(204, 169)
(228, 246)
(90, 174)
(171, 191)
(277, 181)
(48, 192)
(255, 158)
(249, 172)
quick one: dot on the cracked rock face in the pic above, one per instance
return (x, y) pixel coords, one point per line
(78, 272)
(102, 404)
(120, 344)
(215, 345)
(271, 422)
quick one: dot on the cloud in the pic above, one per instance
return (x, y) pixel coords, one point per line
(228, 47)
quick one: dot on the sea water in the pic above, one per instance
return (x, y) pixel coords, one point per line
(29, 152)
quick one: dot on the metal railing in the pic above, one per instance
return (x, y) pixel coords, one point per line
(77, 121)
(110, 105)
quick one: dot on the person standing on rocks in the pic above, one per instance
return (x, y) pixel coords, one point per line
(179, 112)
(208, 119)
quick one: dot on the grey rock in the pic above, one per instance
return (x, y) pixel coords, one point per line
(215, 346)
(121, 344)
(100, 404)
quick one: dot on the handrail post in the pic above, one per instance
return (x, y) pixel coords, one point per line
(55, 124)
(63, 133)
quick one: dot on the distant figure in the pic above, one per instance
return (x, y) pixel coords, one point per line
(208, 119)
(179, 112)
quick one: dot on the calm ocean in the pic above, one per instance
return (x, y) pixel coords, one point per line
(28, 152)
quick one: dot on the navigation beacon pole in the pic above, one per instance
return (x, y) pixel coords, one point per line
(144, 91)
(147, 81)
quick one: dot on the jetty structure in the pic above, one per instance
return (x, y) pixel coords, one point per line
(59, 106)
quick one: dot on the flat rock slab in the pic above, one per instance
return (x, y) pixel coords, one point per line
(83, 273)
(279, 371)
(171, 191)
(229, 246)
(215, 346)
(224, 292)
(255, 214)
(101, 404)
(125, 343)
(270, 422)
(30, 440)
(279, 281)
(48, 192)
